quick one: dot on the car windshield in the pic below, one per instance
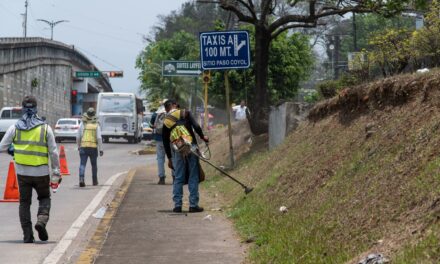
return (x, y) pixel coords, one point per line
(16, 113)
(67, 122)
(146, 118)
(116, 105)
(12, 114)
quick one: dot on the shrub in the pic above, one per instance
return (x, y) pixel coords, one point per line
(328, 89)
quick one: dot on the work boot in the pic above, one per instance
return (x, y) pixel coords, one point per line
(177, 209)
(28, 234)
(81, 183)
(161, 181)
(196, 209)
(40, 226)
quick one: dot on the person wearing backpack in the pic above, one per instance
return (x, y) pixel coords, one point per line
(156, 123)
(178, 138)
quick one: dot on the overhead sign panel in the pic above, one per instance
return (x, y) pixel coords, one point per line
(87, 74)
(181, 68)
(222, 50)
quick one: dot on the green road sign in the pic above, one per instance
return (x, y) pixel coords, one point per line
(181, 68)
(88, 74)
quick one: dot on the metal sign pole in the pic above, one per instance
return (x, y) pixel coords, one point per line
(205, 119)
(228, 112)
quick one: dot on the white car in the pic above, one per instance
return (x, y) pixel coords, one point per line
(66, 128)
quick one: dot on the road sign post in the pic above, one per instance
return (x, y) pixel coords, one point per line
(206, 79)
(181, 68)
(223, 50)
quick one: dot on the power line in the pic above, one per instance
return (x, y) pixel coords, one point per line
(98, 58)
(103, 34)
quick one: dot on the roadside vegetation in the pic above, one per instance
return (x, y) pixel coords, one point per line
(359, 178)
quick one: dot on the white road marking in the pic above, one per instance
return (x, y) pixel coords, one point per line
(71, 234)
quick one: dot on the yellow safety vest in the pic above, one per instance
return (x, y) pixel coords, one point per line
(30, 146)
(88, 139)
(174, 120)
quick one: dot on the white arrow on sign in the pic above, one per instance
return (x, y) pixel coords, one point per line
(189, 71)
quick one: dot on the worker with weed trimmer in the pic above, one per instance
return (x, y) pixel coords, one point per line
(178, 138)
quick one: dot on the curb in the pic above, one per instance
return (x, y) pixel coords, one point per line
(99, 237)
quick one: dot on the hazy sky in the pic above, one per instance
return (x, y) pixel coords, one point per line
(108, 32)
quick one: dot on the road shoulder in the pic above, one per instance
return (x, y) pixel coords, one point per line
(141, 228)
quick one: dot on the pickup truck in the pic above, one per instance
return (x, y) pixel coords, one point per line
(8, 117)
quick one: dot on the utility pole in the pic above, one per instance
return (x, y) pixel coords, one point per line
(25, 19)
(52, 25)
(354, 33)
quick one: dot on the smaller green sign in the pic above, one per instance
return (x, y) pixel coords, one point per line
(181, 68)
(89, 74)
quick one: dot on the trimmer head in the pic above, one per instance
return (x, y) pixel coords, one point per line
(248, 190)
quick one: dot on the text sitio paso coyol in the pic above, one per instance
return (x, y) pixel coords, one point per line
(225, 63)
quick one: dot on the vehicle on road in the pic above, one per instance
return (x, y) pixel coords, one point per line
(120, 116)
(66, 128)
(8, 117)
(147, 130)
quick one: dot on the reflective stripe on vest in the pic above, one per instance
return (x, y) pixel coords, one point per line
(31, 146)
(88, 139)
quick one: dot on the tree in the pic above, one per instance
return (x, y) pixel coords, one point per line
(270, 18)
(290, 59)
(181, 46)
(392, 50)
(427, 39)
(290, 63)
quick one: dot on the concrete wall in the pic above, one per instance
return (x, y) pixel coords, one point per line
(52, 91)
(283, 119)
(45, 69)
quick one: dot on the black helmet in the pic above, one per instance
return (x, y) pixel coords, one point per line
(91, 112)
(29, 101)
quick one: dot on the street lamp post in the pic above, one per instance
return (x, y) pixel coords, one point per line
(52, 24)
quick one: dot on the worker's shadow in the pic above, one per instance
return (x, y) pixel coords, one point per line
(21, 242)
(170, 212)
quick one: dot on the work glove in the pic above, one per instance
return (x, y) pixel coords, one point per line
(55, 181)
(101, 153)
(11, 150)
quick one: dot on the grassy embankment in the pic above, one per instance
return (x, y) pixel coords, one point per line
(362, 176)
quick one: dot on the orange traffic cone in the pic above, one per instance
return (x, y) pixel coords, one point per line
(64, 170)
(11, 188)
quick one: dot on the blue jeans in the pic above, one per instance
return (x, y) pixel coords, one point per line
(160, 156)
(180, 169)
(84, 154)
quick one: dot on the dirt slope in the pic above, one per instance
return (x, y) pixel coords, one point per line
(361, 176)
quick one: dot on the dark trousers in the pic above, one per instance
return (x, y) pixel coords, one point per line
(41, 186)
(84, 154)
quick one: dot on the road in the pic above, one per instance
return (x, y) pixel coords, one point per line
(67, 205)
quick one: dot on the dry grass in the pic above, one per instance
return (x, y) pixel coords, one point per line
(362, 176)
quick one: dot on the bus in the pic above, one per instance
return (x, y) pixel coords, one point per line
(120, 116)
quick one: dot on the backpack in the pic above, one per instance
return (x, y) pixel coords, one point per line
(180, 138)
(158, 123)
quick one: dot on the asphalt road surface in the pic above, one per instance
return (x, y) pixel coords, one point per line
(71, 223)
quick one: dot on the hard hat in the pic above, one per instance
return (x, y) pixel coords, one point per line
(91, 112)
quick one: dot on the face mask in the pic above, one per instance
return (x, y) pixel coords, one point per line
(29, 110)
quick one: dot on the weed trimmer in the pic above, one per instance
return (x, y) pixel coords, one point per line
(204, 157)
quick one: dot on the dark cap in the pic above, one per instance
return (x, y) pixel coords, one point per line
(169, 103)
(29, 101)
(91, 112)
